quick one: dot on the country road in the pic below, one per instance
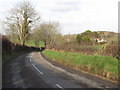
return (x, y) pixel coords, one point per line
(33, 71)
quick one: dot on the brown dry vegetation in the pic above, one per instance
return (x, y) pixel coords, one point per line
(110, 48)
(86, 49)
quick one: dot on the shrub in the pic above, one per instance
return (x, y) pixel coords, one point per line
(85, 39)
(79, 38)
(8, 47)
(112, 50)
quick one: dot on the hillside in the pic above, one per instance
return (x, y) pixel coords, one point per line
(109, 36)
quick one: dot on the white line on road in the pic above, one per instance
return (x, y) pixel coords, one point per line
(30, 59)
(37, 69)
(59, 86)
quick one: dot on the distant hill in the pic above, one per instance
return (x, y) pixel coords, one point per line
(109, 36)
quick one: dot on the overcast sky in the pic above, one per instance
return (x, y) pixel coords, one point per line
(75, 16)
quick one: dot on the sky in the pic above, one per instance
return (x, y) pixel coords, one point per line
(74, 16)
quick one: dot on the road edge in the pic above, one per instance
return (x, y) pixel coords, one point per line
(102, 83)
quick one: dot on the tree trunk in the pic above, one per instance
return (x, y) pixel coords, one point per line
(45, 43)
(23, 43)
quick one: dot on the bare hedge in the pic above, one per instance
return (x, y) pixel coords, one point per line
(8, 47)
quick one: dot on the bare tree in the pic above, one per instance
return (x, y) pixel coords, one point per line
(47, 33)
(20, 21)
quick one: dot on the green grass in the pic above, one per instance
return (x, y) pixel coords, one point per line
(101, 65)
(29, 42)
(41, 44)
(15, 40)
(32, 43)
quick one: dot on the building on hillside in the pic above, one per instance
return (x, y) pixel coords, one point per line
(100, 40)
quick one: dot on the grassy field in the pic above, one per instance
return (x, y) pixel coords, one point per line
(31, 43)
(99, 65)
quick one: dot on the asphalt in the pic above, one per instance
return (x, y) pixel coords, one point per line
(32, 70)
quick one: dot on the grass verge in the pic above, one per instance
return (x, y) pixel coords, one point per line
(104, 66)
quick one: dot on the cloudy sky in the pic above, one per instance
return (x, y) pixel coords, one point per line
(74, 16)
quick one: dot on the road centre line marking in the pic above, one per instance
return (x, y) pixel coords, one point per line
(59, 86)
(31, 55)
(30, 59)
(37, 69)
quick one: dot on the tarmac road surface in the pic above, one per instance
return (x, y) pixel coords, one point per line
(33, 71)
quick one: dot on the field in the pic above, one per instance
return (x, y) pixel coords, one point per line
(104, 66)
(28, 42)
(31, 43)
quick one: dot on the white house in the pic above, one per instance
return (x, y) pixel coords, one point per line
(100, 41)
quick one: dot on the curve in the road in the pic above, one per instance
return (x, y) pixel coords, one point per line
(33, 71)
